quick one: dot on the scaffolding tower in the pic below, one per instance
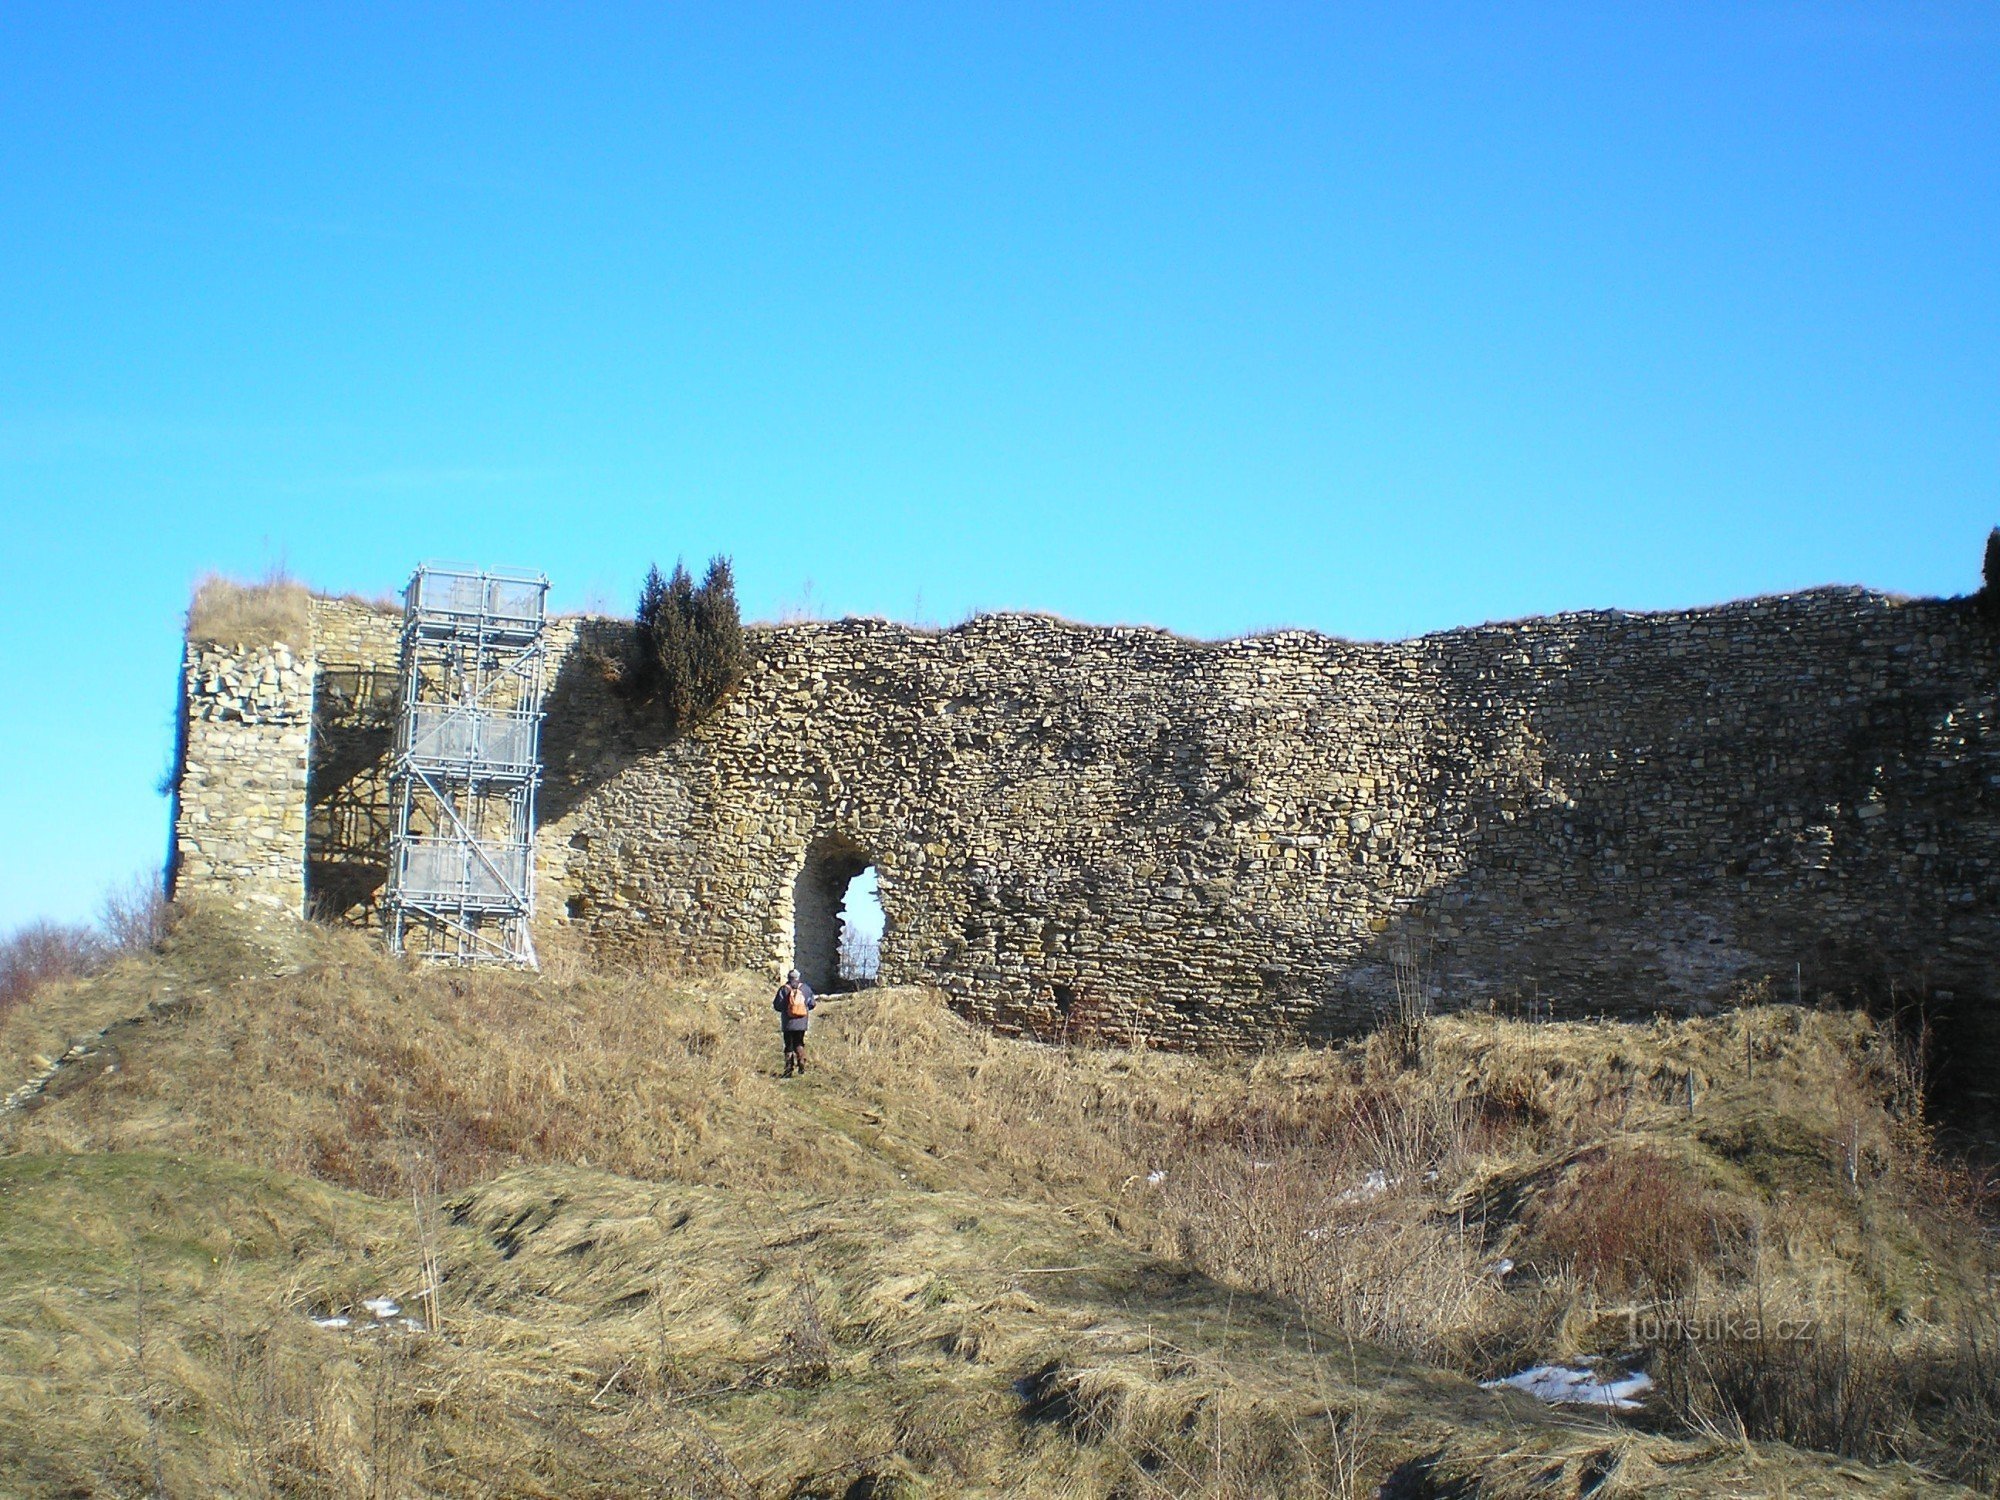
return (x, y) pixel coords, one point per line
(461, 885)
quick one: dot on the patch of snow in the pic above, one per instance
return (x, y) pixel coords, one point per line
(1559, 1385)
(1374, 1185)
(1499, 1269)
(1157, 1176)
(388, 1319)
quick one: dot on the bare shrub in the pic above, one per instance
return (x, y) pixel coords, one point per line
(133, 914)
(860, 958)
(1342, 1212)
(1410, 967)
(132, 918)
(227, 613)
(1633, 1220)
(1778, 1364)
(429, 1221)
(38, 952)
(806, 1348)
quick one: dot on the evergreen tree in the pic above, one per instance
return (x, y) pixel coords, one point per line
(1989, 593)
(717, 648)
(688, 648)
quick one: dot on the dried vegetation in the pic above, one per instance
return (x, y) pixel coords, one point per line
(132, 919)
(225, 612)
(949, 1263)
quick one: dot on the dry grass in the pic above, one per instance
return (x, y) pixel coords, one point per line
(132, 919)
(1634, 1221)
(603, 1337)
(940, 1263)
(357, 1061)
(1777, 1360)
(40, 952)
(225, 612)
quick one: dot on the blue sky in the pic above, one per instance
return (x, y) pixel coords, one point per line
(1374, 319)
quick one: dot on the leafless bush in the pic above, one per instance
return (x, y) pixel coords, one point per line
(860, 956)
(132, 918)
(391, 1418)
(425, 1184)
(1342, 1214)
(133, 914)
(38, 952)
(1772, 1366)
(1410, 968)
(808, 1347)
(1633, 1220)
(278, 1405)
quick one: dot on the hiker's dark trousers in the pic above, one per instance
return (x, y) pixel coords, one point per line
(795, 1050)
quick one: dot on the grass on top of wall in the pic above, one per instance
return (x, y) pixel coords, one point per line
(229, 613)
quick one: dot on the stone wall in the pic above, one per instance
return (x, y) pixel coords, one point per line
(240, 791)
(1120, 833)
(351, 811)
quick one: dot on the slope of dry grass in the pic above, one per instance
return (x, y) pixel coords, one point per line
(596, 1336)
(950, 1263)
(344, 1064)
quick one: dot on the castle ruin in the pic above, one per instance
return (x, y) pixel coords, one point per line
(1123, 834)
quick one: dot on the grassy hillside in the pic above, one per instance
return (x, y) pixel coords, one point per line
(946, 1263)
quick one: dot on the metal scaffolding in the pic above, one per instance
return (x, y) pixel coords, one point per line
(461, 885)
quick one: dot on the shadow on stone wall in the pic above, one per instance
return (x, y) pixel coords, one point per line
(590, 734)
(1870, 880)
(349, 805)
(1839, 842)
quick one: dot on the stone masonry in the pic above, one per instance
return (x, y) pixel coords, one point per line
(1115, 832)
(240, 810)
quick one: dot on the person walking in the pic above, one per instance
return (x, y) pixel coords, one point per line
(794, 1004)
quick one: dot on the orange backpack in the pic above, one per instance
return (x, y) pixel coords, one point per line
(795, 1003)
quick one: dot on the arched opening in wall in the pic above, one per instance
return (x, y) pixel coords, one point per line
(836, 917)
(860, 958)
